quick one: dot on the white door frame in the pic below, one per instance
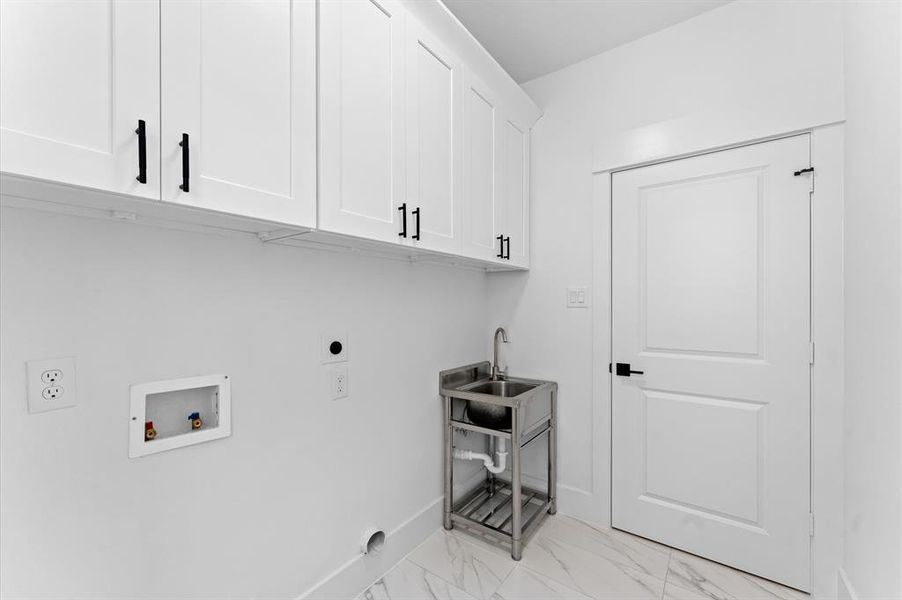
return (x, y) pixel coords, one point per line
(826, 332)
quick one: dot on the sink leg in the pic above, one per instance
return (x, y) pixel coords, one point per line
(516, 488)
(552, 456)
(449, 464)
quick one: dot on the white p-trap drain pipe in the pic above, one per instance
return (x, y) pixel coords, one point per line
(492, 466)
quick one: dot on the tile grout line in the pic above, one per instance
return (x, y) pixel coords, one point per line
(517, 563)
(543, 576)
(508, 576)
(451, 583)
(667, 572)
(618, 565)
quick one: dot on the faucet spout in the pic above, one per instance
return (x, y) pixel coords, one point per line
(498, 373)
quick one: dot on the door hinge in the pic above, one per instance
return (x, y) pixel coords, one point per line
(810, 524)
(810, 353)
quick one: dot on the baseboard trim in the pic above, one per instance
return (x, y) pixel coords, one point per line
(844, 588)
(361, 571)
(583, 505)
(351, 578)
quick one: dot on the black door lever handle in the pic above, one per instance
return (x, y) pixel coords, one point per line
(623, 370)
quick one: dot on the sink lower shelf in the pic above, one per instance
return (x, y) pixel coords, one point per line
(488, 507)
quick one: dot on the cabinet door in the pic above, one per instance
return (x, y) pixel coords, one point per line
(75, 79)
(514, 187)
(362, 162)
(481, 206)
(238, 79)
(434, 127)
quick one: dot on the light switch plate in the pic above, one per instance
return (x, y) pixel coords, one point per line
(577, 297)
(51, 384)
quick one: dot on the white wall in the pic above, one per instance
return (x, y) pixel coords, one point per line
(280, 504)
(873, 293)
(746, 53)
(780, 61)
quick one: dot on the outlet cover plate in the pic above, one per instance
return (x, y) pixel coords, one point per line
(51, 384)
(338, 382)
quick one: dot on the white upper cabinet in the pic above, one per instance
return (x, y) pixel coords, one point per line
(238, 107)
(378, 119)
(481, 203)
(362, 119)
(76, 79)
(513, 184)
(434, 142)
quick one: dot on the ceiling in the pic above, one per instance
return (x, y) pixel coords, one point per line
(530, 38)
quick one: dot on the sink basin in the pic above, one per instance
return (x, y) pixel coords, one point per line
(505, 389)
(478, 399)
(494, 416)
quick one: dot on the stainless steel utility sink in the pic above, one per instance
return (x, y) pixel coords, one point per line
(487, 402)
(505, 389)
(511, 411)
(494, 416)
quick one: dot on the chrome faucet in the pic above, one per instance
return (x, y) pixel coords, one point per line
(496, 372)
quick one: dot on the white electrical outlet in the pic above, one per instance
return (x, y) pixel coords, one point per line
(51, 376)
(51, 384)
(334, 347)
(52, 392)
(338, 378)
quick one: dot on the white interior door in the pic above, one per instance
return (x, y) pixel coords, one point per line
(710, 302)
(75, 80)
(362, 118)
(434, 145)
(239, 79)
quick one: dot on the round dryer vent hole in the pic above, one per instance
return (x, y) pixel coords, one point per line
(373, 541)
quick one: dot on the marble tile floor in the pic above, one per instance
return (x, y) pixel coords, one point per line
(566, 559)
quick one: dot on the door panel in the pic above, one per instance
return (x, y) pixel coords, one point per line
(710, 267)
(678, 435)
(702, 275)
(362, 117)
(75, 78)
(433, 139)
(514, 160)
(482, 208)
(238, 77)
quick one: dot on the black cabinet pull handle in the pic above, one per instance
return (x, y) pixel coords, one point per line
(403, 209)
(186, 174)
(623, 370)
(142, 152)
(500, 239)
(507, 241)
(416, 212)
